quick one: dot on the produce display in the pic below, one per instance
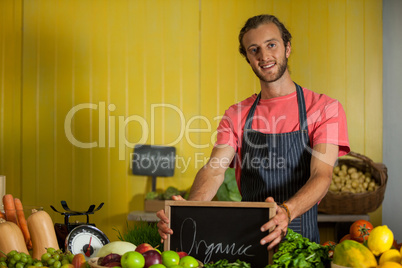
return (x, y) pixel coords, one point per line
(146, 256)
(347, 179)
(366, 246)
(31, 242)
(167, 194)
(298, 251)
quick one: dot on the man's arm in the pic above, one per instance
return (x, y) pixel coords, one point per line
(206, 183)
(210, 177)
(321, 167)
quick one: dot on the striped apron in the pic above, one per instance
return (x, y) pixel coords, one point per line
(278, 165)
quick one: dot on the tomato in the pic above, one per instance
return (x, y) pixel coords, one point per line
(360, 230)
(330, 244)
(345, 237)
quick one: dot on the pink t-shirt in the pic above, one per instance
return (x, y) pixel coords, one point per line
(325, 117)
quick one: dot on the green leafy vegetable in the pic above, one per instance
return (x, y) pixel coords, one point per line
(298, 251)
(141, 232)
(229, 191)
(225, 264)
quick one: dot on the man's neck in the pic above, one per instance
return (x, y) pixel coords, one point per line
(283, 86)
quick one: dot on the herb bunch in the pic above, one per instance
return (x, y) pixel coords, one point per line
(142, 232)
(298, 251)
(225, 264)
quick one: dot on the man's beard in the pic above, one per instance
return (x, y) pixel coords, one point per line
(281, 70)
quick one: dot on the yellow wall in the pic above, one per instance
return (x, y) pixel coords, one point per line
(121, 58)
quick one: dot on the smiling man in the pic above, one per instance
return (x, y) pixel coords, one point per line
(283, 142)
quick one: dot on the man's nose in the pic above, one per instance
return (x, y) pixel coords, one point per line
(264, 55)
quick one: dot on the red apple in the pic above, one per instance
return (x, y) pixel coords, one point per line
(152, 257)
(182, 254)
(144, 247)
(79, 261)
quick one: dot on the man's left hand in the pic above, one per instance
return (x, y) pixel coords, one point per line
(279, 224)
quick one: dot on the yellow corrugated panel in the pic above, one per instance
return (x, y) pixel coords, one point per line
(10, 94)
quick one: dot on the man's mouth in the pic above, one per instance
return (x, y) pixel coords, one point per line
(266, 66)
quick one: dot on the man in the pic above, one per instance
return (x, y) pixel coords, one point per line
(283, 142)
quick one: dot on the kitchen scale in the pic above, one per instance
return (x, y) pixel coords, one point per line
(79, 237)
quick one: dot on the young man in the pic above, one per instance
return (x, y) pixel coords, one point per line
(283, 142)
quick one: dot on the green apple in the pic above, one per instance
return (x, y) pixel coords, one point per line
(157, 266)
(188, 262)
(132, 259)
(170, 258)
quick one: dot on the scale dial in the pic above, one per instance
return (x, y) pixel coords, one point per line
(86, 239)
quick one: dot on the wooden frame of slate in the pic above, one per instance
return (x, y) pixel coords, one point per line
(215, 230)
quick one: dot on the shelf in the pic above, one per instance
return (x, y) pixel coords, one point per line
(151, 217)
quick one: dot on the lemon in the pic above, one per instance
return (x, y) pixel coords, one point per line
(380, 239)
(390, 264)
(391, 255)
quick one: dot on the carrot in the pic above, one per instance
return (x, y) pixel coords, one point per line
(22, 221)
(9, 208)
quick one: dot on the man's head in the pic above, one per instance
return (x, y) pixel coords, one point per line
(254, 22)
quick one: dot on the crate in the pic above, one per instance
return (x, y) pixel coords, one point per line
(154, 205)
(357, 203)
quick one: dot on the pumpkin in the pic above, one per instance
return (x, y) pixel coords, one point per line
(11, 238)
(350, 253)
(42, 232)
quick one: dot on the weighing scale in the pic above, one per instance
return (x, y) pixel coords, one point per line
(79, 237)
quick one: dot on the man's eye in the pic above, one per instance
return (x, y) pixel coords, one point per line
(271, 45)
(253, 50)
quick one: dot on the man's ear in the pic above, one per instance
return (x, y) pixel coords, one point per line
(288, 49)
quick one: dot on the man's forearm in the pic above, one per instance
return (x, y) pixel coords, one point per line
(206, 184)
(309, 195)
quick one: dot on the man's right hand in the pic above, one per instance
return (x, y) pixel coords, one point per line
(163, 227)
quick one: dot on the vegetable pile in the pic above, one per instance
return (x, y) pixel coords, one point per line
(367, 246)
(167, 194)
(347, 179)
(225, 264)
(298, 251)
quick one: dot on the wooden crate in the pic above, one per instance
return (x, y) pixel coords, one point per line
(154, 205)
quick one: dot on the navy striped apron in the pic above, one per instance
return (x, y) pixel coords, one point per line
(278, 165)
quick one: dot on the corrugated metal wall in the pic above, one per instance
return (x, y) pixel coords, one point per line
(97, 72)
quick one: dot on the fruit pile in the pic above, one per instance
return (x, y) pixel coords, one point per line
(146, 256)
(365, 246)
(52, 258)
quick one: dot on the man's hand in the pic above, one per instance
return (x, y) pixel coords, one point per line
(163, 228)
(279, 223)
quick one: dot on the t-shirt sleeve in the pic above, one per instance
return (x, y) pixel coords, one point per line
(226, 134)
(330, 127)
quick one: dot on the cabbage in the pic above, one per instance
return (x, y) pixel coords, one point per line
(117, 247)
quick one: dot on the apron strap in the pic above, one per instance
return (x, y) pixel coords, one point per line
(301, 106)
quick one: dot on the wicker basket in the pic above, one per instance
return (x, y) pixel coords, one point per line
(359, 203)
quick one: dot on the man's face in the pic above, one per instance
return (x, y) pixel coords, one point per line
(266, 53)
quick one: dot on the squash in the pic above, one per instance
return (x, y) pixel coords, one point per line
(350, 253)
(42, 232)
(11, 238)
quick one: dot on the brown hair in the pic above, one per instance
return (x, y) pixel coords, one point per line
(254, 22)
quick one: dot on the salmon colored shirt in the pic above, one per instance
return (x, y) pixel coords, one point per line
(325, 117)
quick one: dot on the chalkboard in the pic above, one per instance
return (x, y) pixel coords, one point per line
(211, 231)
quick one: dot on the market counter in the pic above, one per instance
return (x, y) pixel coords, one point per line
(332, 227)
